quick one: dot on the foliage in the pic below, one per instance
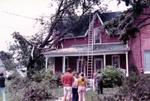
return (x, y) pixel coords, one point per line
(36, 89)
(112, 77)
(136, 88)
(22, 49)
(7, 60)
(36, 92)
(65, 9)
(124, 25)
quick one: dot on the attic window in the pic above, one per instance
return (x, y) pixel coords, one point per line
(97, 35)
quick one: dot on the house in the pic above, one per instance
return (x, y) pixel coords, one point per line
(96, 49)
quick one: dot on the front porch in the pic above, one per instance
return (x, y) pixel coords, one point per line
(76, 58)
(79, 63)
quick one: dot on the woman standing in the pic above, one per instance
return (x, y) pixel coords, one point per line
(82, 82)
(75, 87)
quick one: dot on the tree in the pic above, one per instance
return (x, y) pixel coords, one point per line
(125, 25)
(22, 49)
(66, 9)
(7, 60)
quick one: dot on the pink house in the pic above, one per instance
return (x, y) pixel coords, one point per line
(96, 49)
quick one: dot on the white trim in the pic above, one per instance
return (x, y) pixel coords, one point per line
(127, 65)
(100, 19)
(97, 59)
(102, 23)
(54, 65)
(64, 64)
(118, 56)
(146, 72)
(106, 43)
(85, 54)
(104, 58)
(112, 43)
(46, 63)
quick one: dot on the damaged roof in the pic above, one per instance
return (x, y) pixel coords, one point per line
(82, 27)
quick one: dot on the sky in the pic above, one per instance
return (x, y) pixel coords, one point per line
(20, 15)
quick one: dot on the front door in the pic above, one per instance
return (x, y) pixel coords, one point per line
(98, 64)
(147, 62)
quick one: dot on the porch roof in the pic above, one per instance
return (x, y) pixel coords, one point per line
(82, 50)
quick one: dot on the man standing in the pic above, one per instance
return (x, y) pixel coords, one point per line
(99, 79)
(67, 81)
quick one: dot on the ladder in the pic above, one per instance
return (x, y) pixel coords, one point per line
(90, 49)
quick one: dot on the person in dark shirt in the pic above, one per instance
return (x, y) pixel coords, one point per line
(99, 79)
(2, 86)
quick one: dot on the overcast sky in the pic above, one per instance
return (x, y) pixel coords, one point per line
(19, 15)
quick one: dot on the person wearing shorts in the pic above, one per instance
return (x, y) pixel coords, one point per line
(67, 81)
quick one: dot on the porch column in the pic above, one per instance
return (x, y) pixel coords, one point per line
(53, 65)
(64, 65)
(46, 63)
(104, 60)
(127, 65)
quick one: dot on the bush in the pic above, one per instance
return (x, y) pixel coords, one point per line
(57, 79)
(36, 92)
(112, 77)
(38, 88)
(136, 88)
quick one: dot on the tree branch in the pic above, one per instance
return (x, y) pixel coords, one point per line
(139, 23)
(144, 25)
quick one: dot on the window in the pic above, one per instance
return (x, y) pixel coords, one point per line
(116, 61)
(147, 62)
(97, 35)
(98, 64)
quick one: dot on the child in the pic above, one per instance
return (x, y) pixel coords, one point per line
(82, 87)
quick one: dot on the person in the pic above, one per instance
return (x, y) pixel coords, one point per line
(99, 80)
(67, 80)
(75, 87)
(82, 83)
(94, 82)
(2, 86)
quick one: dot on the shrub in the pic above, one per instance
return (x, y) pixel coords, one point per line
(38, 88)
(57, 79)
(36, 92)
(112, 77)
(136, 88)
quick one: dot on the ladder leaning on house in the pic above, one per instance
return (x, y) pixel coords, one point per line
(90, 49)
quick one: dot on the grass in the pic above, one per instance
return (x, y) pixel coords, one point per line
(91, 96)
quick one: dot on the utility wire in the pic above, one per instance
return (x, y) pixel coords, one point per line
(14, 14)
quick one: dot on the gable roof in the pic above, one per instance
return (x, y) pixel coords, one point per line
(81, 30)
(109, 16)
